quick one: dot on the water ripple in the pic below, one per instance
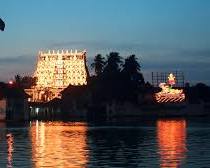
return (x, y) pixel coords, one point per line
(168, 143)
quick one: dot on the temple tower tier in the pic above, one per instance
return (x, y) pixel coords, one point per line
(55, 71)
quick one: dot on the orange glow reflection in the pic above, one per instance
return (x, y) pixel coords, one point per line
(59, 145)
(9, 149)
(171, 137)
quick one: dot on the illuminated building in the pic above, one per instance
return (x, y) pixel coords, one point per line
(55, 71)
(168, 94)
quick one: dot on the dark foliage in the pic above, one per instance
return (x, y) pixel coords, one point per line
(2, 25)
(117, 80)
(11, 91)
(98, 64)
(25, 82)
(199, 92)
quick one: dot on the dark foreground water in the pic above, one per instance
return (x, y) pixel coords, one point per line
(161, 143)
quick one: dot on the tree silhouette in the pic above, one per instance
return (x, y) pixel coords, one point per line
(98, 64)
(131, 65)
(25, 82)
(2, 25)
(18, 80)
(131, 69)
(113, 63)
(28, 82)
(117, 81)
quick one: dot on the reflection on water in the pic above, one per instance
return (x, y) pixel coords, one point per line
(10, 149)
(15, 148)
(59, 145)
(76, 145)
(171, 137)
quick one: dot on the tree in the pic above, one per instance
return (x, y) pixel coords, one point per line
(28, 82)
(2, 25)
(108, 85)
(113, 63)
(25, 82)
(131, 69)
(116, 84)
(131, 65)
(98, 64)
(18, 80)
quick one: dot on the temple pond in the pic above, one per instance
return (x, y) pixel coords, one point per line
(159, 143)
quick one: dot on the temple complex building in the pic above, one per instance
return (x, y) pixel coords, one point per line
(55, 71)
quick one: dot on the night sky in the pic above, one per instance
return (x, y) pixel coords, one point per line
(165, 35)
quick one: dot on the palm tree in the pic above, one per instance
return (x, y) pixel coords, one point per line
(131, 65)
(98, 64)
(132, 69)
(113, 63)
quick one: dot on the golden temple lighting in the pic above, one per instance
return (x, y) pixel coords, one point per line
(55, 71)
(168, 94)
(171, 137)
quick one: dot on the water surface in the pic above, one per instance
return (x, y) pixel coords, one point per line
(162, 143)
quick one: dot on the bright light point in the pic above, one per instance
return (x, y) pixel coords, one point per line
(37, 110)
(11, 82)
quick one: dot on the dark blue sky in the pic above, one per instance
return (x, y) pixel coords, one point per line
(165, 35)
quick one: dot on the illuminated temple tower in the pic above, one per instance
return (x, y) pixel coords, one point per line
(56, 70)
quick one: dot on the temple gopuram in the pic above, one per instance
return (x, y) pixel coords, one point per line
(55, 71)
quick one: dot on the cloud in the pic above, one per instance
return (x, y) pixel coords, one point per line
(143, 49)
(98, 45)
(194, 71)
(23, 59)
(11, 66)
(195, 53)
(82, 44)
